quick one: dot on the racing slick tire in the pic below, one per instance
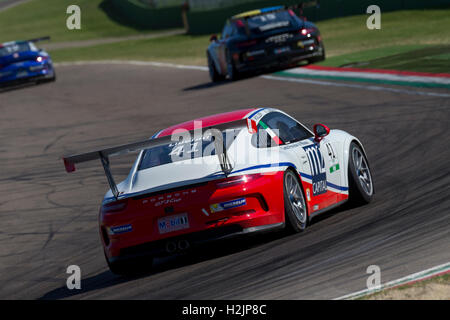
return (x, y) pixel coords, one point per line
(318, 58)
(52, 79)
(295, 209)
(213, 74)
(130, 267)
(359, 176)
(233, 73)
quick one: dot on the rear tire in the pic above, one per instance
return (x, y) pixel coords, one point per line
(359, 176)
(295, 209)
(318, 58)
(232, 72)
(213, 74)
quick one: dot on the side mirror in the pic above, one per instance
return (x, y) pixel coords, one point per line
(213, 38)
(320, 131)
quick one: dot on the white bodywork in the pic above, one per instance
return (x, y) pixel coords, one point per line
(247, 159)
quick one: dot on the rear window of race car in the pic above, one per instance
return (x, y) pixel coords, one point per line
(16, 47)
(179, 151)
(270, 21)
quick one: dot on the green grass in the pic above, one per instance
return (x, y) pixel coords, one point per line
(347, 40)
(182, 49)
(422, 58)
(408, 40)
(443, 279)
(38, 18)
(399, 28)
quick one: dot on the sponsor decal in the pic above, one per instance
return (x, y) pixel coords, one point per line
(167, 201)
(316, 207)
(217, 207)
(282, 50)
(318, 171)
(334, 168)
(120, 229)
(173, 223)
(279, 38)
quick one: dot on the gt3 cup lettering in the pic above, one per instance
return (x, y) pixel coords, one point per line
(318, 171)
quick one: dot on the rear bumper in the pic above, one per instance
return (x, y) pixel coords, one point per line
(159, 248)
(16, 77)
(280, 60)
(263, 210)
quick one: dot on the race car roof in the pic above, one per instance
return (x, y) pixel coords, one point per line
(4, 44)
(207, 121)
(252, 13)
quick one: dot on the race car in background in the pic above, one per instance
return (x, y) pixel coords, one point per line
(22, 61)
(263, 171)
(261, 39)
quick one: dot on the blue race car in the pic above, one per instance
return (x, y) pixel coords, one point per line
(22, 61)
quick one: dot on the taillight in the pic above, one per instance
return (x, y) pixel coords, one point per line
(237, 180)
(115, 206)
(240, 24)
(41, 58)
(306, 31)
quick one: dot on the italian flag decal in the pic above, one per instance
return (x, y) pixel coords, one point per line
(334, 168)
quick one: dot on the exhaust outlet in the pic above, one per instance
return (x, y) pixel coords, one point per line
(171, 247)
(183, 245)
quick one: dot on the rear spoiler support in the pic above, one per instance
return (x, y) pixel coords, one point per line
(103, 155)
(221, 151)
(109, 176)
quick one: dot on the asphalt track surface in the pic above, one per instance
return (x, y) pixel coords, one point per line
(49, 217)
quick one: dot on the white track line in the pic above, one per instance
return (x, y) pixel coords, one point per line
(405, 280)
(13, 4)
(369, 75)
(201, 68)
(132, 62)
(358, 86)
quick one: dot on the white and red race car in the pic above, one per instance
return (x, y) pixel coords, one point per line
(224, 175)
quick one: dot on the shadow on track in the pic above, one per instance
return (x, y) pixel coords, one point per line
(202, 253)
(208, 251)
(207, 85)
(243, 76)
(18, 86)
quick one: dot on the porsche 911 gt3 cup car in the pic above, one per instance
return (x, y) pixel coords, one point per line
(224, 175)
(262, 39)
(22, 61)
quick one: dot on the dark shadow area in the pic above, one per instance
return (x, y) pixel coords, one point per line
(244, 76)
(207, 85)
(204, 252)
(108, 8)
(349, 205)
(18, 86)
(143, 18)
(201, 253)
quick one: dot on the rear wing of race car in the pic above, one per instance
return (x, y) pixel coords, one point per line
(47, 38)
(104, 154)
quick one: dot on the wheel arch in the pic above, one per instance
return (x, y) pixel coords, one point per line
(214, 58)
(360, 145)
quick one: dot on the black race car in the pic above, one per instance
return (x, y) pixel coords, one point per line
(268, 38)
